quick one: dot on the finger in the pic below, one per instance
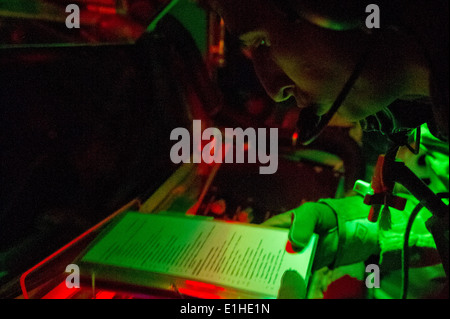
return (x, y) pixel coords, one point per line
(292, 286)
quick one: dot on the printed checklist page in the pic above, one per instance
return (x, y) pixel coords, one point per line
(241, 256)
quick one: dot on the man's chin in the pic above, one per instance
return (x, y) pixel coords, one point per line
(339, 120)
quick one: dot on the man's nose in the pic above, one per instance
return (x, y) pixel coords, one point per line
(275, 82)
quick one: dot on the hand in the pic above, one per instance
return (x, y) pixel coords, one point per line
(303, 222)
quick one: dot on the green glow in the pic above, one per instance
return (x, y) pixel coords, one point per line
(194, 19)
(27, 9)
(328, 23)
(161, 15)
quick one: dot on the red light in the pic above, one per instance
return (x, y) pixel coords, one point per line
(61, 292)
(100, 9)
(68, 245)
(105, 295)
(202, 285)
(201, 290)
(294, 138)
(198, 294)
(289, 248)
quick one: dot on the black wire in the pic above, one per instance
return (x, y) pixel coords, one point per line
(416, 148)
(405, 250)
(310, 129)
(401, 139)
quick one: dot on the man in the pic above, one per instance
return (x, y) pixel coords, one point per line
(393, 78)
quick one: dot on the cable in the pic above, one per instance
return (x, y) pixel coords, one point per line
(405, 250)
(401, 139)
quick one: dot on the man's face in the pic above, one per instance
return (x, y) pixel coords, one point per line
(301, 60)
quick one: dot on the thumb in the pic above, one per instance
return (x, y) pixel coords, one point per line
(303, 224)
(292, 286)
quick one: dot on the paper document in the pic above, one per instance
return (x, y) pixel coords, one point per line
(242, 256)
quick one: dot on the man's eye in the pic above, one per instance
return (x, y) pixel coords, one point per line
(250, 47)
(260, 42)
